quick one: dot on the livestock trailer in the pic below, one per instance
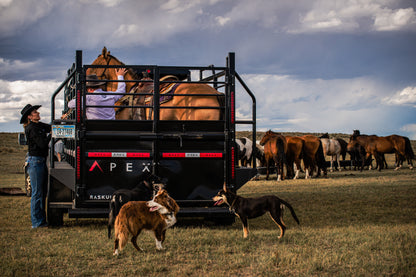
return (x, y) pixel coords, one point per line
(195, 158)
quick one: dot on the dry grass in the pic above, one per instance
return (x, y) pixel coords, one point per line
(352, 224)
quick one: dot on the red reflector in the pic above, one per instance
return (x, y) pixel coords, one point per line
(118, 155)
(173, 155)
(138, 155)
(99, 154)
(192, 155)
(211, 155)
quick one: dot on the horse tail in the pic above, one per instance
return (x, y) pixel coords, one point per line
(280, 143)
(292, 211)
(320, 158)
(408, 149)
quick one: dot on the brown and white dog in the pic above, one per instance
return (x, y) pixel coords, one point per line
(145, 190)
(156, 215)
(246, 208)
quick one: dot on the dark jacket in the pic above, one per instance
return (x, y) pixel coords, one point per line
(37, 136)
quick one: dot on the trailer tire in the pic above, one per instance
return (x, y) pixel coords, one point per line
(55, 217)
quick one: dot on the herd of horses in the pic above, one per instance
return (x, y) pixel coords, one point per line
(276, 150)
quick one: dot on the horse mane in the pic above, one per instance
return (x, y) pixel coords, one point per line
(326, 135)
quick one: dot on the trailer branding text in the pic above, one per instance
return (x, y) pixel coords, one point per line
(128, 167)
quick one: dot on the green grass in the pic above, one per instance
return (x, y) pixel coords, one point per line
(352, 224)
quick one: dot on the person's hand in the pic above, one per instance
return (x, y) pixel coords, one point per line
(121, 71)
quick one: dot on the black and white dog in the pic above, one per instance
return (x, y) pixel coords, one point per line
(146, 189)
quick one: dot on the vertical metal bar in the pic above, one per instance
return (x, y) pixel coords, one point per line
(254, 112)
(156, 118)
(230, 123)
(80, 117)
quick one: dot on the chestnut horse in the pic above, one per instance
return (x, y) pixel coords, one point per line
(106, 59)
(331, 148)
(294, 155)
(378, 146)
(313, 156)
(186, 113)
(275, 148)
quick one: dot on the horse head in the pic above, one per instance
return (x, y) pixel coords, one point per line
(104, 73)
(326, 135)
(266, 137)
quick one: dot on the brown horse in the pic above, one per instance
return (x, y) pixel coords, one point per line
(378, 146)
(294, 155)
(105, 59)
(275, 148)
(313, 156)
(187, 102)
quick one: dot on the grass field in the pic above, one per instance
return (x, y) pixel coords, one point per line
(352, 224)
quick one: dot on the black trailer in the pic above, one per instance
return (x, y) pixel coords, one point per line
(195, 158)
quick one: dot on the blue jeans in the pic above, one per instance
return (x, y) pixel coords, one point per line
(39, 182)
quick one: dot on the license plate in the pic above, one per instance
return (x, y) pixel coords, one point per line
(63, 131)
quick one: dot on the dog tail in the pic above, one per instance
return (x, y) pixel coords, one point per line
(292, 211)
(121, 234)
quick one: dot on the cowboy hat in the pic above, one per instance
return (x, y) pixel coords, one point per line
(27, 110)
(94, 80)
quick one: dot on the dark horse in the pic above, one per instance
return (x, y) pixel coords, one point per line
(378, 146)
(313, 156)
(275, 148)
(294, 155)
(205, 95)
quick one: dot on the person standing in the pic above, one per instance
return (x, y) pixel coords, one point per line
(37, 136)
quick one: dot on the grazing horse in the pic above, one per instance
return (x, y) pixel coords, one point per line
(187, 104)
(378, 146)
(331, 148)
(294, 155)
(344, 151)
(275, 148)
(245, 150)
(313, 156)
(246, 154)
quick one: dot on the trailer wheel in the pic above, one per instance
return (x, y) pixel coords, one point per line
(55, 217)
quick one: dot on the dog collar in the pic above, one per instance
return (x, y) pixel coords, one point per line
(231, 206)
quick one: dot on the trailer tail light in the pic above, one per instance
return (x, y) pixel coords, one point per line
(192, 155)
(78, 163)
(118, 155)
(232, 163)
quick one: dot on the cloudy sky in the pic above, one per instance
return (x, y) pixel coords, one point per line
(314, 65)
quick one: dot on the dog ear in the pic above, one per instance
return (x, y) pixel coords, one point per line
(224, 187)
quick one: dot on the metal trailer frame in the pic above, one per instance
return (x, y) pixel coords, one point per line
(68, 181)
